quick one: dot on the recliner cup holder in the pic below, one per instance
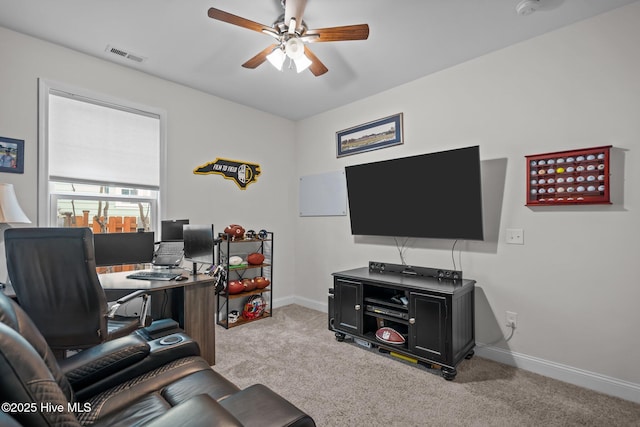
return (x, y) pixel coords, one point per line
(171, 340)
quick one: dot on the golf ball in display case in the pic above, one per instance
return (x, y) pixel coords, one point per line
(573, 166)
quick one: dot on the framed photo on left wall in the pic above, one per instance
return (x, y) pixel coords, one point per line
(11, 155)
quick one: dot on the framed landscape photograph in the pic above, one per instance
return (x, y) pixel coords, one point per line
(11, 155)
(381, 133)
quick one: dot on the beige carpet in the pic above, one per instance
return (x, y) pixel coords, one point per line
(343, 384)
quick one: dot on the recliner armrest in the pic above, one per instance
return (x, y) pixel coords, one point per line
(200, 410)
(159, 354)
(95, 363)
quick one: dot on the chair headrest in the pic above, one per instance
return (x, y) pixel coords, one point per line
(12, 317)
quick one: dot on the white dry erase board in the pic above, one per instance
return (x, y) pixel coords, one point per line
(323, 194)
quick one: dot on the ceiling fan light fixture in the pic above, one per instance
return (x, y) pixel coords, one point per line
(276, 58)
(294, 48)
(302, 63)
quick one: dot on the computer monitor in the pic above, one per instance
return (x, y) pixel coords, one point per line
(171, 229)
(123, 248)
(198, 243)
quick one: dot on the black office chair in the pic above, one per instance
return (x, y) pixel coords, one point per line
(53, 273)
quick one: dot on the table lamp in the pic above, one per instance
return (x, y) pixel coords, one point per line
(10, 212)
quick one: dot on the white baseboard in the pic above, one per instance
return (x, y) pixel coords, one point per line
(281, 302)
(309, 303)
(593, 381)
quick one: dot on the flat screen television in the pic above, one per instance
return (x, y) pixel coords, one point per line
(123, 248)
(436, 195)
(171, 229)
(198, 243)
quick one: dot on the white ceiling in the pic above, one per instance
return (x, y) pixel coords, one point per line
(408, 39)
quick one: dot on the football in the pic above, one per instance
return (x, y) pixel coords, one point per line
(234, 231)
(235, 287)
(261, 282)
(389, 335)
(255, 258)
(235, 260)
(248, 284)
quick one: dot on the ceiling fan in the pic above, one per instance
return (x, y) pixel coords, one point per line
(292, 35)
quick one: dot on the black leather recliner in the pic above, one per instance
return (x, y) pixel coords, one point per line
(124, 382)
(53, 273)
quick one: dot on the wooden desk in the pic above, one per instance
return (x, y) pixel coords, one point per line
(199, 304)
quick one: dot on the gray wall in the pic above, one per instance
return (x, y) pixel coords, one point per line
(200, 128)
(574, 282)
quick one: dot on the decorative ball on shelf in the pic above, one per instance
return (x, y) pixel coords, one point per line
(248, 284)
(234, 231)
(389, 335)
(235, 260)
(254, 307)
(261, 282)
(235, 287)
(255, 258)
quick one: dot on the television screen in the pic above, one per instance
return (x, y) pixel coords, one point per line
(436, 195)
(198, 243)
(171, 229)
(123, 248)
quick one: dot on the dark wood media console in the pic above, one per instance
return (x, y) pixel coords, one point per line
(436, 316)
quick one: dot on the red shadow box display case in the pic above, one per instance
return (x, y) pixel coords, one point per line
(572, 177)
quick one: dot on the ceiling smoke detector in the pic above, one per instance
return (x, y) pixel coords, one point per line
(527, 7)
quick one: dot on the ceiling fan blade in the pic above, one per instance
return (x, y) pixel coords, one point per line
(335, 34)
(259, 58)
(223, 16)
(294, 9)
(316, 67)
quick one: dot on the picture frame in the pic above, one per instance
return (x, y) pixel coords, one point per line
(381, 133)
(11, 155)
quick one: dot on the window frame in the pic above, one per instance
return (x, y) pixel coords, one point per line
(47, 200)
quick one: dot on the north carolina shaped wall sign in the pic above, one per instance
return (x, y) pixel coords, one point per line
(243, 173)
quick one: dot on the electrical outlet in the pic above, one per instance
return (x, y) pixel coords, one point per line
(515, 236)
(512, 319)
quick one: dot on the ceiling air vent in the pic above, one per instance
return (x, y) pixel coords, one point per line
(125, 54)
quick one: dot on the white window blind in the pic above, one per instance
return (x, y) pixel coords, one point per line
(89, 142)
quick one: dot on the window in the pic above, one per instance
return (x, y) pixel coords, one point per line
(100, 161)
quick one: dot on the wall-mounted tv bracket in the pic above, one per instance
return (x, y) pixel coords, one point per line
(437, 273)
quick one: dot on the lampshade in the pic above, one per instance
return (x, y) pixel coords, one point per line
(294, 48)
(302, 63)
(10, 210)
(276, 58)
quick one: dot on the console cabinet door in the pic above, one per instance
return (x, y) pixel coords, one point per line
(348, 302)
(428, 326)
